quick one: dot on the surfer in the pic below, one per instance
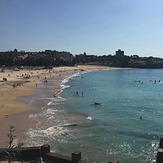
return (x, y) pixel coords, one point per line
(97, 103)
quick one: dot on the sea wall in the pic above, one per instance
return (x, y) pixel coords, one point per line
(159, 158)
(36, 154)
(40, 154)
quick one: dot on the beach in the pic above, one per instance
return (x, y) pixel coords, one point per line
(23, 83)
(57, 107)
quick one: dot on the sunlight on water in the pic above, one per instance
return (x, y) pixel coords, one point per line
(125, 125)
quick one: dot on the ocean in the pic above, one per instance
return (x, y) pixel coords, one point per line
(105, 114)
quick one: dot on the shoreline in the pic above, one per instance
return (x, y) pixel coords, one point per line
(15, 111)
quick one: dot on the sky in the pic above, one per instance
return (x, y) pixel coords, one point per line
(98, 27)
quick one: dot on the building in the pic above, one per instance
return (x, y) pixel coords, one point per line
(119, 53)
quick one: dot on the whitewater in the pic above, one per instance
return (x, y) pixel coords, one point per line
(125, 126)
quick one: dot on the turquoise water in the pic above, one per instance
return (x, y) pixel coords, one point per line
(127, 124)
(116, 131)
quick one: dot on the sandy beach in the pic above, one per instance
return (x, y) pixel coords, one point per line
(23, 83)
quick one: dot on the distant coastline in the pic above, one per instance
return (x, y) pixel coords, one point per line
(53, 58)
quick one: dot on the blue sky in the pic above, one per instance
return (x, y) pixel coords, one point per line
(98, 27)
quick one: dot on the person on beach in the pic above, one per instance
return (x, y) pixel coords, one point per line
(45, 80)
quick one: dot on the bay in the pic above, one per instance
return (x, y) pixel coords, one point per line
(125, 125)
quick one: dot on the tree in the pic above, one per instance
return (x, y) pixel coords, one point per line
(13, 150)
(15, 51)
